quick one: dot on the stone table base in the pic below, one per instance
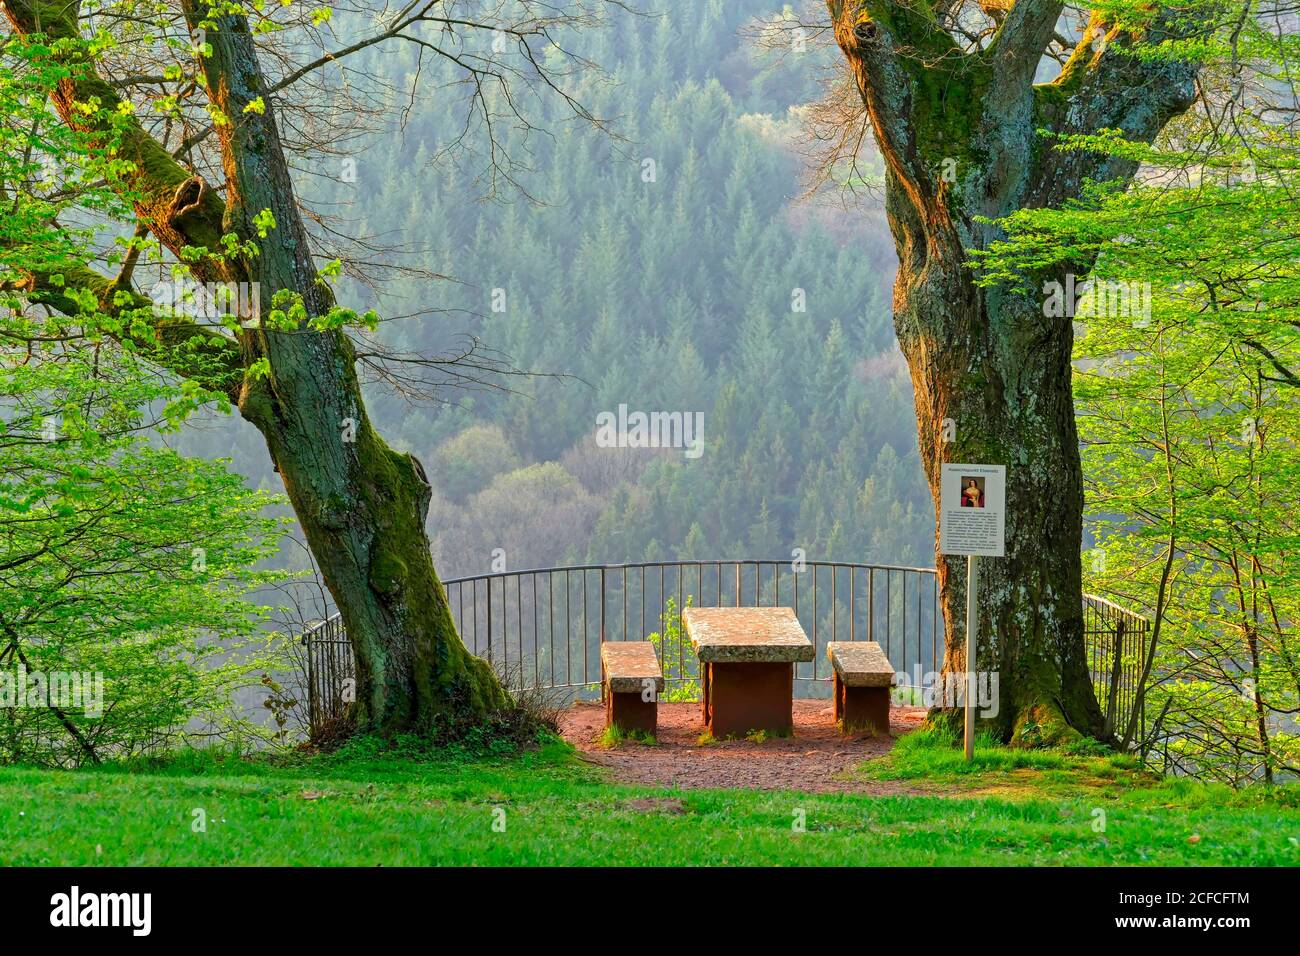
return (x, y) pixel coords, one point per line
(740, 698)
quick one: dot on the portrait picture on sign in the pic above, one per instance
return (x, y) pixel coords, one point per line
(972, 509)
(972, 491)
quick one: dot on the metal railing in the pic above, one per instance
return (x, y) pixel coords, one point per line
(327, 665)
(1116, 640)
(542, 628)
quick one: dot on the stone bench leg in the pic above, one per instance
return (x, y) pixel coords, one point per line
(861, 709)
(630, 714)
(740, 698)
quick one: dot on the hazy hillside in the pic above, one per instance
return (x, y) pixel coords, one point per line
(672, 270)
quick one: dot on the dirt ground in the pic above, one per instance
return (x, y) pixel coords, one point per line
(811, 761)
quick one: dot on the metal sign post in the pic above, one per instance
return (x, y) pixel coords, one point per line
(972, 642)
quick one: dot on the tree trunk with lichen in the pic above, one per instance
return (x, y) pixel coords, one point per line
(959, 133)
(361, 505)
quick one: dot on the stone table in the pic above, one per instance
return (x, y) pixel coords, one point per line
(747, 657)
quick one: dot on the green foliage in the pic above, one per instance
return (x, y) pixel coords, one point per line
(1189, 407)
(129, 561)
(673, 295)
(672, 644)
(937, 754)
(120, 559)
(466, 463)
(613, 735)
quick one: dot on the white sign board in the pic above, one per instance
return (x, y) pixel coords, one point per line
(972, 510)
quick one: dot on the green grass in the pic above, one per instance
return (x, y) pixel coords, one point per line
(367, 807)
(614, 735)
(934, 760)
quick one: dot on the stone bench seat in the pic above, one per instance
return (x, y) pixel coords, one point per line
(863, 678)
(632, 681)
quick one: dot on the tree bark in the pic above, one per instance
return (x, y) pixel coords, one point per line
(959, 135)
(361, 505)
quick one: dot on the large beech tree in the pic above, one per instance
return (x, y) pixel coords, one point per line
(361, 505)
(969, 137)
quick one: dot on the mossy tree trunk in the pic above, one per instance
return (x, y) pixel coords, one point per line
(361, 505)
(959, 135)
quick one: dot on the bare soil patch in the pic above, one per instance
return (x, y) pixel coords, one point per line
(816, 759)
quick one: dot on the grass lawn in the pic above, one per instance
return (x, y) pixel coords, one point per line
(363, 807)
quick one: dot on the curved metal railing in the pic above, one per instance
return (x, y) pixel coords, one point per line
(542, 627)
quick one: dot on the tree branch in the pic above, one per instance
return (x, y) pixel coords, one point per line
(1021, 40)
(890, 47)
(1288, 377)
(257, 176)
(1105, 85)
(177, 205)
(174, 342)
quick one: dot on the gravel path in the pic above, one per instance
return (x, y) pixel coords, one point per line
(809, 762)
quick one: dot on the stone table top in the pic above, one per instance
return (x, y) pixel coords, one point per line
(754, 635)
(860, 663)
(629, 664)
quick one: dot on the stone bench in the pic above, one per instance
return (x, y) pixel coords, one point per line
(632, 681)
(863, 678)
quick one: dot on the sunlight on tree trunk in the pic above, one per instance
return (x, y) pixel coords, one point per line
(959, 133)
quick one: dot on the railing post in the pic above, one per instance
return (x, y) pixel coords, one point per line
(312, 694)
(871, 604)
(1116, 669)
